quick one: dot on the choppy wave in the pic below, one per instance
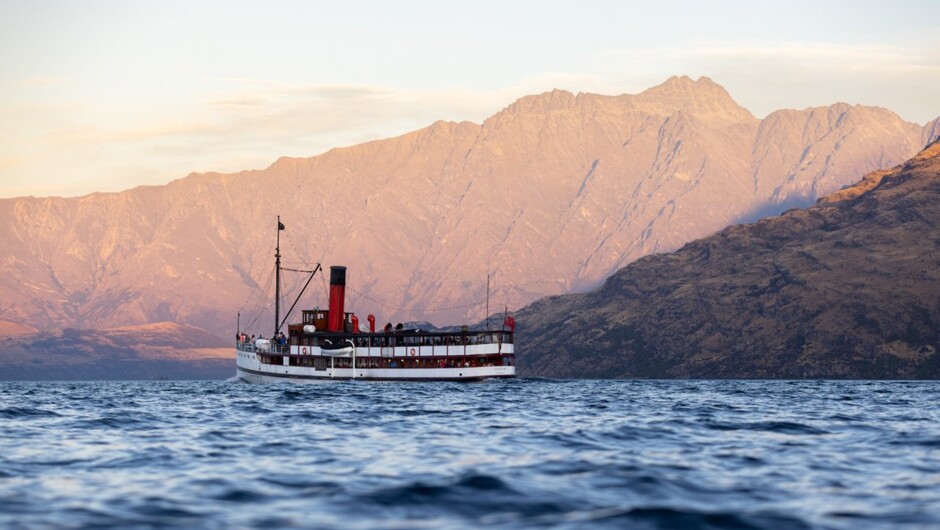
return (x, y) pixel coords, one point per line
(504, 454)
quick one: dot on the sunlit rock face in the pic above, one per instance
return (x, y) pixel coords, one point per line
(550, 195)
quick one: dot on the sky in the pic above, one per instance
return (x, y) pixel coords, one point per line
(107, 95)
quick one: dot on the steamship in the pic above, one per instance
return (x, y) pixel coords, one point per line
(329, 344)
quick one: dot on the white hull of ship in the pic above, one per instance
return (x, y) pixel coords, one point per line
(251, 370)
(302, 375)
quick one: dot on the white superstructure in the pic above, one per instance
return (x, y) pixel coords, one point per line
(444, 362)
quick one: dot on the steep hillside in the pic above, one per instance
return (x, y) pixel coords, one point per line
(552, 194)
(848, 288)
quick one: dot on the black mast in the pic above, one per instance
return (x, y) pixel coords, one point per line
(314, 271)
(277, 279)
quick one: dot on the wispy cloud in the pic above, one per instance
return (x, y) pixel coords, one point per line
(95, 135)
(234, 124)
(845, 58)
(7, 162)
(41, 81)
(239, 102)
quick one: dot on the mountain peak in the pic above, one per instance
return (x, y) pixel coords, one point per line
(555, 99)
(702, 98)
(683, 84)
(684, 80)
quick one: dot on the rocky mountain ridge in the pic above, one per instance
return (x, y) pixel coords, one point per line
(550, 195)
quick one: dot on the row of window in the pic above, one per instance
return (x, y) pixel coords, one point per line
(382, 341)
(323, 363)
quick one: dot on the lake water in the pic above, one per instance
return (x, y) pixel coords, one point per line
(505, 454)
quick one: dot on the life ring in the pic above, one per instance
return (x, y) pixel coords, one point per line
(303, 350)
(413, 352)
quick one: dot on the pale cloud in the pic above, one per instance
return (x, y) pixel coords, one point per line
(239, 102)
(878, 59)
(339, 92)
(269, 110)
(80, 136)
(41, 81)
(7, 162)
(244, 124)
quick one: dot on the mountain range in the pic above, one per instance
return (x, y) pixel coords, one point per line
(550, 195)
(848, 288)
(151, 351)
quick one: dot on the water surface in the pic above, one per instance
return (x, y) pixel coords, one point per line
(506, 454)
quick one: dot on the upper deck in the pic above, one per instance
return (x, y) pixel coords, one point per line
(424, 343)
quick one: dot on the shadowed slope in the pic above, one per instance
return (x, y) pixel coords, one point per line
(849, 287)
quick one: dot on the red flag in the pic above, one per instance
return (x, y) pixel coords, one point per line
(510, 323)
